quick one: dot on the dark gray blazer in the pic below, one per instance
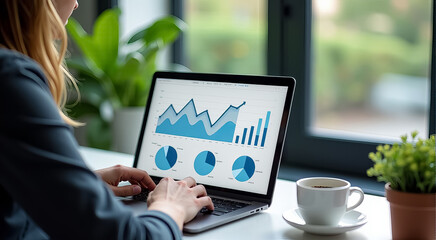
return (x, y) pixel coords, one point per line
(46, 190)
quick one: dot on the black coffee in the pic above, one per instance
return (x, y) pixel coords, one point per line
(319, 186)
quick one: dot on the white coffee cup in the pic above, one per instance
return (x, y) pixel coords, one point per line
(323, 201)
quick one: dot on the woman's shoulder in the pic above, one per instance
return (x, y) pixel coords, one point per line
(13, 59)
(17, 65)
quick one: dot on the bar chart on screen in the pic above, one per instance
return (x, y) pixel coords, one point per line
(250, 138)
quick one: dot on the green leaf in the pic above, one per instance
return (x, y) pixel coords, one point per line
(82, 39)
(101, 48)
(129, 67)
(106, 39)
(92, 92)
(84, 68)
(164, 31)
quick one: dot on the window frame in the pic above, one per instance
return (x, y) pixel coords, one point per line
(178, 50)
(105, 4)
(288, 54)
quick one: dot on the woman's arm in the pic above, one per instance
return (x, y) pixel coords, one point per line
(42, 170)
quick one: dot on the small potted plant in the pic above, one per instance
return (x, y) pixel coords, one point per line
(408, 169)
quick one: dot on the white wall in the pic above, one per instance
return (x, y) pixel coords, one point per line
(140, 13)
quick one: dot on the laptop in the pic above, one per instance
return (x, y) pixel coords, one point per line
(226, 131)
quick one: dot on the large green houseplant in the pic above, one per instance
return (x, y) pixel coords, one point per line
(409, 170)
(114, 73)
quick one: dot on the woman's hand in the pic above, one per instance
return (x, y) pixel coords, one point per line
(181, 200)
(138, 178)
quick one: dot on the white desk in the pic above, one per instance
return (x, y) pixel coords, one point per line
(269, 224)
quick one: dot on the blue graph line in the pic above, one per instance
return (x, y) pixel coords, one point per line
(190, 124)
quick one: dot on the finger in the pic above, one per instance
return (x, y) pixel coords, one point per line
(166, 179)
(190, 181)
(138, 175)
(199, 191)
(206, 202)
(134, 182)
(128, 190)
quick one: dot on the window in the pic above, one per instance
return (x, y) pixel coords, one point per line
(371, 67)
(326, 44)
(362, 69)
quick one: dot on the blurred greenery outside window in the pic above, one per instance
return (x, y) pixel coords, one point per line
(371, 66)
(370, 58)
(226, 36)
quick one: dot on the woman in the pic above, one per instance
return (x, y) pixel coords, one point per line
(46, 190)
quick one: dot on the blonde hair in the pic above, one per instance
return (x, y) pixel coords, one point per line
(34, 28)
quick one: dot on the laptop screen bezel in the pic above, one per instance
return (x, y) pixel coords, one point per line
(231, 78)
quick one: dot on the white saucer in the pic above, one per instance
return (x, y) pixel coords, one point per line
(350, 221)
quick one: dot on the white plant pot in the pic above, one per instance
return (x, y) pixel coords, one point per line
(126, 127)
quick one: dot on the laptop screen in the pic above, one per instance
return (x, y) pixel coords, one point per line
(221, 133)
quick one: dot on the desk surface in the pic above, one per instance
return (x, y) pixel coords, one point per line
(269, 224)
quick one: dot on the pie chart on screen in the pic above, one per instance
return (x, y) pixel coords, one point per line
(204, 163)
(243, 168)
(166, 157)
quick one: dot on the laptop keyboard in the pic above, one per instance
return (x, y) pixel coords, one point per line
(222, 206)
(142, 196)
